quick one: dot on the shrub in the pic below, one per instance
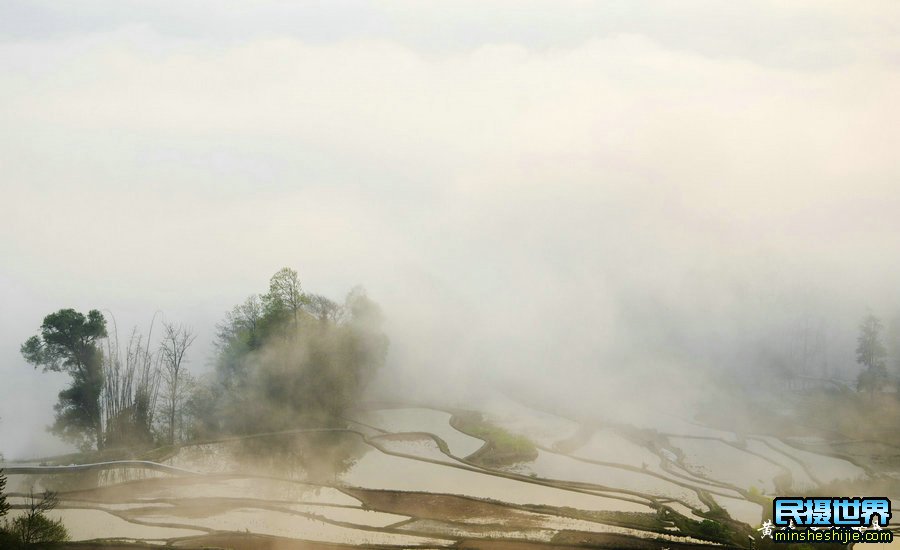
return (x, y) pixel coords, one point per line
(34, 529)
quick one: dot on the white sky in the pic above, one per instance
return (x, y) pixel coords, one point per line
(519, 183)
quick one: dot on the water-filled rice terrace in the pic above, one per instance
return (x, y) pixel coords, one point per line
(398, 476)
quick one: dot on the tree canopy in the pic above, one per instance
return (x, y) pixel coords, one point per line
(871, 354)
(4, 505)
(68, 343)
(290, 359)
(284, 359)
(870, 351)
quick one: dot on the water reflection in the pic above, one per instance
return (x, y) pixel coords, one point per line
(316, 456)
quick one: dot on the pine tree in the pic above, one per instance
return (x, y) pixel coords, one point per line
(4, 506)
(871, 354)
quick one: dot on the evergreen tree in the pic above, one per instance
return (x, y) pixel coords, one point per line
(68, 343)
(871, 354)
(4, 506)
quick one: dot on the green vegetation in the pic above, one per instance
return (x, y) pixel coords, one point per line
(714, 530)
(634, 520)
(34, 529)
(289, 360)
(718, 529)
(68, 343)
(285, 360)
(871, 354)
(502, 447)
(112, 398)
(6, 538)
(4, 506)
(178, 382)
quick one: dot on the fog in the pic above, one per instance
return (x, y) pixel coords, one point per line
(580, 200)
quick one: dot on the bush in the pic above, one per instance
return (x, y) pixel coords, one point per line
(37, 531)
(34, 529)
(503, 447)
(713, 530)
(7, 539)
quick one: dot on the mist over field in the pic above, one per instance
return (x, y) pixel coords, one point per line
(581, 200)
(614, 211)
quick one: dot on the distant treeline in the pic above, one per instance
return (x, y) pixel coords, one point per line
(284, 359)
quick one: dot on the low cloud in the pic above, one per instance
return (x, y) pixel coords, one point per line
(578, 215)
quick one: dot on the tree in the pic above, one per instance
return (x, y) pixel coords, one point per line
(241, 332)
(241, 323)
(34, 529)
(870, 351)
(131, 389)
(68, 343)
(871, 354)
(323, 309)
(285, 294)
(301, 361)
(175, 343)
(893, 348)
(4, 506)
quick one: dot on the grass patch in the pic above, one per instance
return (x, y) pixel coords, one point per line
(501, 446)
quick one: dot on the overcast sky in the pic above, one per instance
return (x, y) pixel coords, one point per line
(530, 187)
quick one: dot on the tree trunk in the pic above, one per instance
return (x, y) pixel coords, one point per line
(174, 398)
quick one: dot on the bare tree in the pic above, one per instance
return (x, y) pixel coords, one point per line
(131, 388)
(175, 343)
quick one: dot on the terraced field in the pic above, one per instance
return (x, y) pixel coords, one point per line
(412, 477)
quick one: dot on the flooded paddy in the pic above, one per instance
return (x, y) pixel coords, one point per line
(60, 480)
(583, 483)
(825, 468)
(208, 457)
(467, 530)
(422, 420)
(768, 447)
(607, 445)
(217, 487)
(543, 428)
(560, 467)
(741, 510)
(669, 424)
(281, 524)
(719, 461)
(418, 445)
(98, 524)
(357, 516)
(376, 470)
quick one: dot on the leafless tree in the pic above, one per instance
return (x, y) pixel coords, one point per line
(175, 343)
(131, 387)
